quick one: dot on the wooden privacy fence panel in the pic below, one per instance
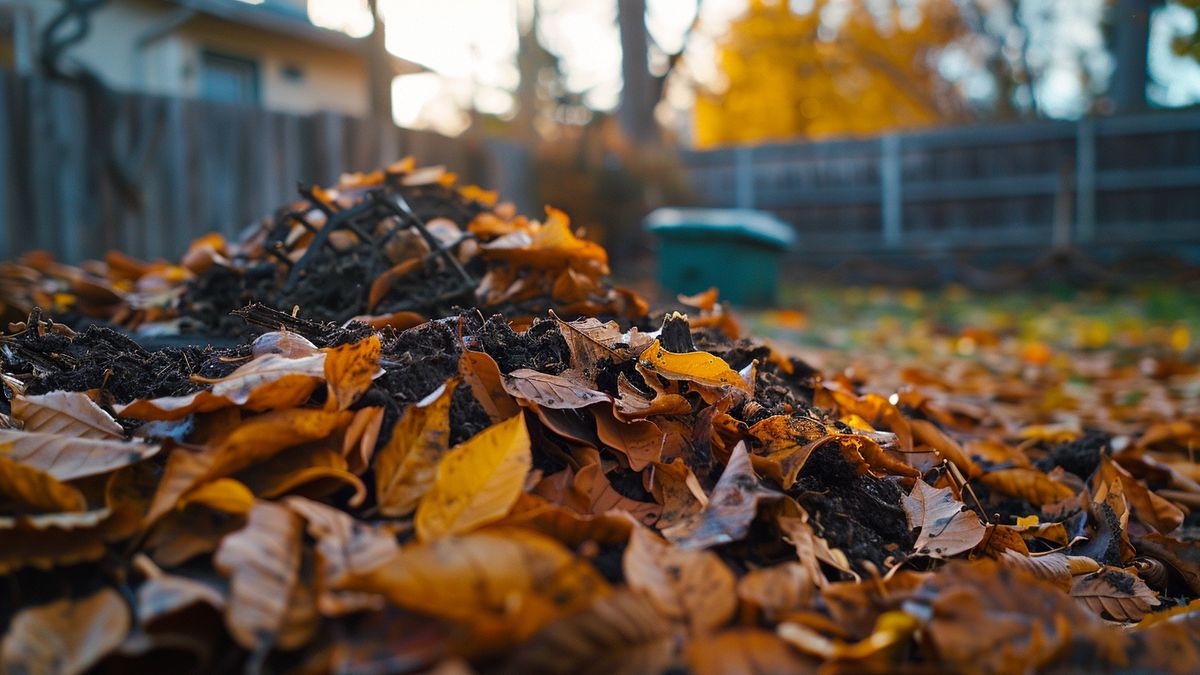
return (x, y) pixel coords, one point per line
(199, 166)
(1120, 180)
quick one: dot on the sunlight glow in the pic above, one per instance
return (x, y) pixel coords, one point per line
(352, 17)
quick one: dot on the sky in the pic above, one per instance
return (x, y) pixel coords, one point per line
(470, 46)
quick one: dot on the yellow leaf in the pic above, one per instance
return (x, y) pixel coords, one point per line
(407, 465)
(699, 367)
(1027, 521)
(66, 636)
(349, 370)
(477, 482)
(223, 494)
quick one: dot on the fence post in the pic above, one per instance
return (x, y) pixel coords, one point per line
(743, 176)
(1085, 179)
(891, 198)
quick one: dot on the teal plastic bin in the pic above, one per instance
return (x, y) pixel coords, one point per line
(736, 250)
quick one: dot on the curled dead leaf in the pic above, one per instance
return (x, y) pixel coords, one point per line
(948, 527)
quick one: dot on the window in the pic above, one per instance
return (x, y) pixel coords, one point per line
(227, 78)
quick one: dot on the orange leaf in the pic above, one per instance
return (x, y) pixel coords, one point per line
(37, 490)
(506, 583)
(641, 441)
(349, 370)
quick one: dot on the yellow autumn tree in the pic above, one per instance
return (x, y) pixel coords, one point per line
(843, 67)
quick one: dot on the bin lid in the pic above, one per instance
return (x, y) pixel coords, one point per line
(757, 225)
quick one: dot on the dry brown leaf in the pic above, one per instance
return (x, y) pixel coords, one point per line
(641, 441)
(67, 457)
(592, 493)
(346, 546)
(1057, 568)
(550, 391)
(51, 540)
(314, 470)
(1114, 594)
(70, 413)
(779, 589)
(405, 468)
(66, 636)
(505, 583)
(568, 526)
(948, 527)
(731, 507)
(620, 633)
(678, 490)
(269, 382)
(1147, 506)
(693, 587)
(477, 482)
(632, 404)
(744, 651)
(349, 370)
(262, 561)
(166, 594)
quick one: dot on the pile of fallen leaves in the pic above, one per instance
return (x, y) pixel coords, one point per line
(395, 247)
(586, 495)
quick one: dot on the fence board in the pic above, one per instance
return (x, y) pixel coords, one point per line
(1130, 179)
(201, 167)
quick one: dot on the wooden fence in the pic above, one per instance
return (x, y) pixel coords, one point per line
(1116, 181)
(198, 166)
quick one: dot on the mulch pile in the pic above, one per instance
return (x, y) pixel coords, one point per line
(403, 429)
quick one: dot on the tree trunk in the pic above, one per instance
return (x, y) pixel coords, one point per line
(379, 68)
(639, 91)
(1132, 32)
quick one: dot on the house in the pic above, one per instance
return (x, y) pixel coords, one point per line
(266, 53)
